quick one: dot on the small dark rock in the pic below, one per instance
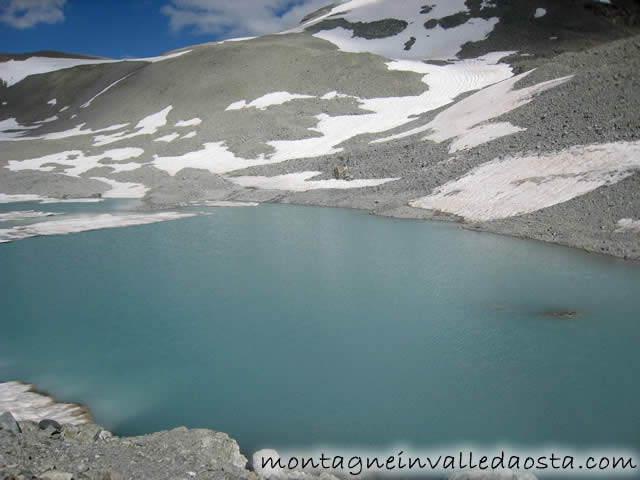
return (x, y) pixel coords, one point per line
(49, 424)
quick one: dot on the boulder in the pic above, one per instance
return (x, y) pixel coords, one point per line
(266, 471)
(8, 423)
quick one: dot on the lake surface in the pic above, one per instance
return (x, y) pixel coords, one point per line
(289, 326)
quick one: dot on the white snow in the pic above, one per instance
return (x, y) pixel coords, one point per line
(14, 71)
(53, 101)
(238, 39)
(85, 105)
(64, 109)
(383, 114)
(465, 120)
(70, 200)
(7, 198)
(73, 132)
(147, 126)
(123, 189)
(332, 95)
(628, 224)
(47, 120)
(223, 203)
(86, 223)
(188, 135)
(299, 182)
(540, 12)
(214, 157)
(26, 404)
(77, 163)
(266, 101)
(12, 124)
(435, 43)
(167, 138)
(24, 215)
(194, 122)
(517, 185)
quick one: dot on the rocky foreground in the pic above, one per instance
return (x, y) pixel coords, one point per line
(49, 451)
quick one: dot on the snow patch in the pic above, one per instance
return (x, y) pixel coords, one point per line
(188, 135)
(223, 203)
(540, 12)
(14, 71)
(167, 138)
(445, 83)
(48, 120)
(434, 43)
(71, 200)
(10, 129)
(518, 185)
(628, 224)
(214, 157)
(18, 135)
(86, 223)
(24, 215)
(25, 403)
(53, 101)
(147, 126)
(266, 101)
(299, 182)
(122, 189)
(77, 163)
(6, 198)
(85, 105)
(194, 122)
(465, 120)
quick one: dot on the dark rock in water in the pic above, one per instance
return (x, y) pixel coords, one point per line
(562, 314)
(52, 425)
(9, 424)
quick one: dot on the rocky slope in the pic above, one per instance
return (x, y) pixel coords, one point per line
(515, 117)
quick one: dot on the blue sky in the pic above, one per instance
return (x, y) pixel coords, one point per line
(139, 28)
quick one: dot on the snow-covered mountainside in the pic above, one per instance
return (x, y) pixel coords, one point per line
(518, 117)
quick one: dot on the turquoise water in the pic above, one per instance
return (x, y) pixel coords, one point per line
(291, 326)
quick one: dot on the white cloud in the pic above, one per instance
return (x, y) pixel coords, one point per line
(28, 13)
(238, 18)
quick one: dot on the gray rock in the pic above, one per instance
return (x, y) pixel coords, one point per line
(8, 423)
(55, 475)
(494, 475)
(50, 426)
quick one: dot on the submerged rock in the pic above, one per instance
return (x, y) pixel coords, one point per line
(562, 314)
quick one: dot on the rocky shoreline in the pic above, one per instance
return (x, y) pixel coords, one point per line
(47, 450)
